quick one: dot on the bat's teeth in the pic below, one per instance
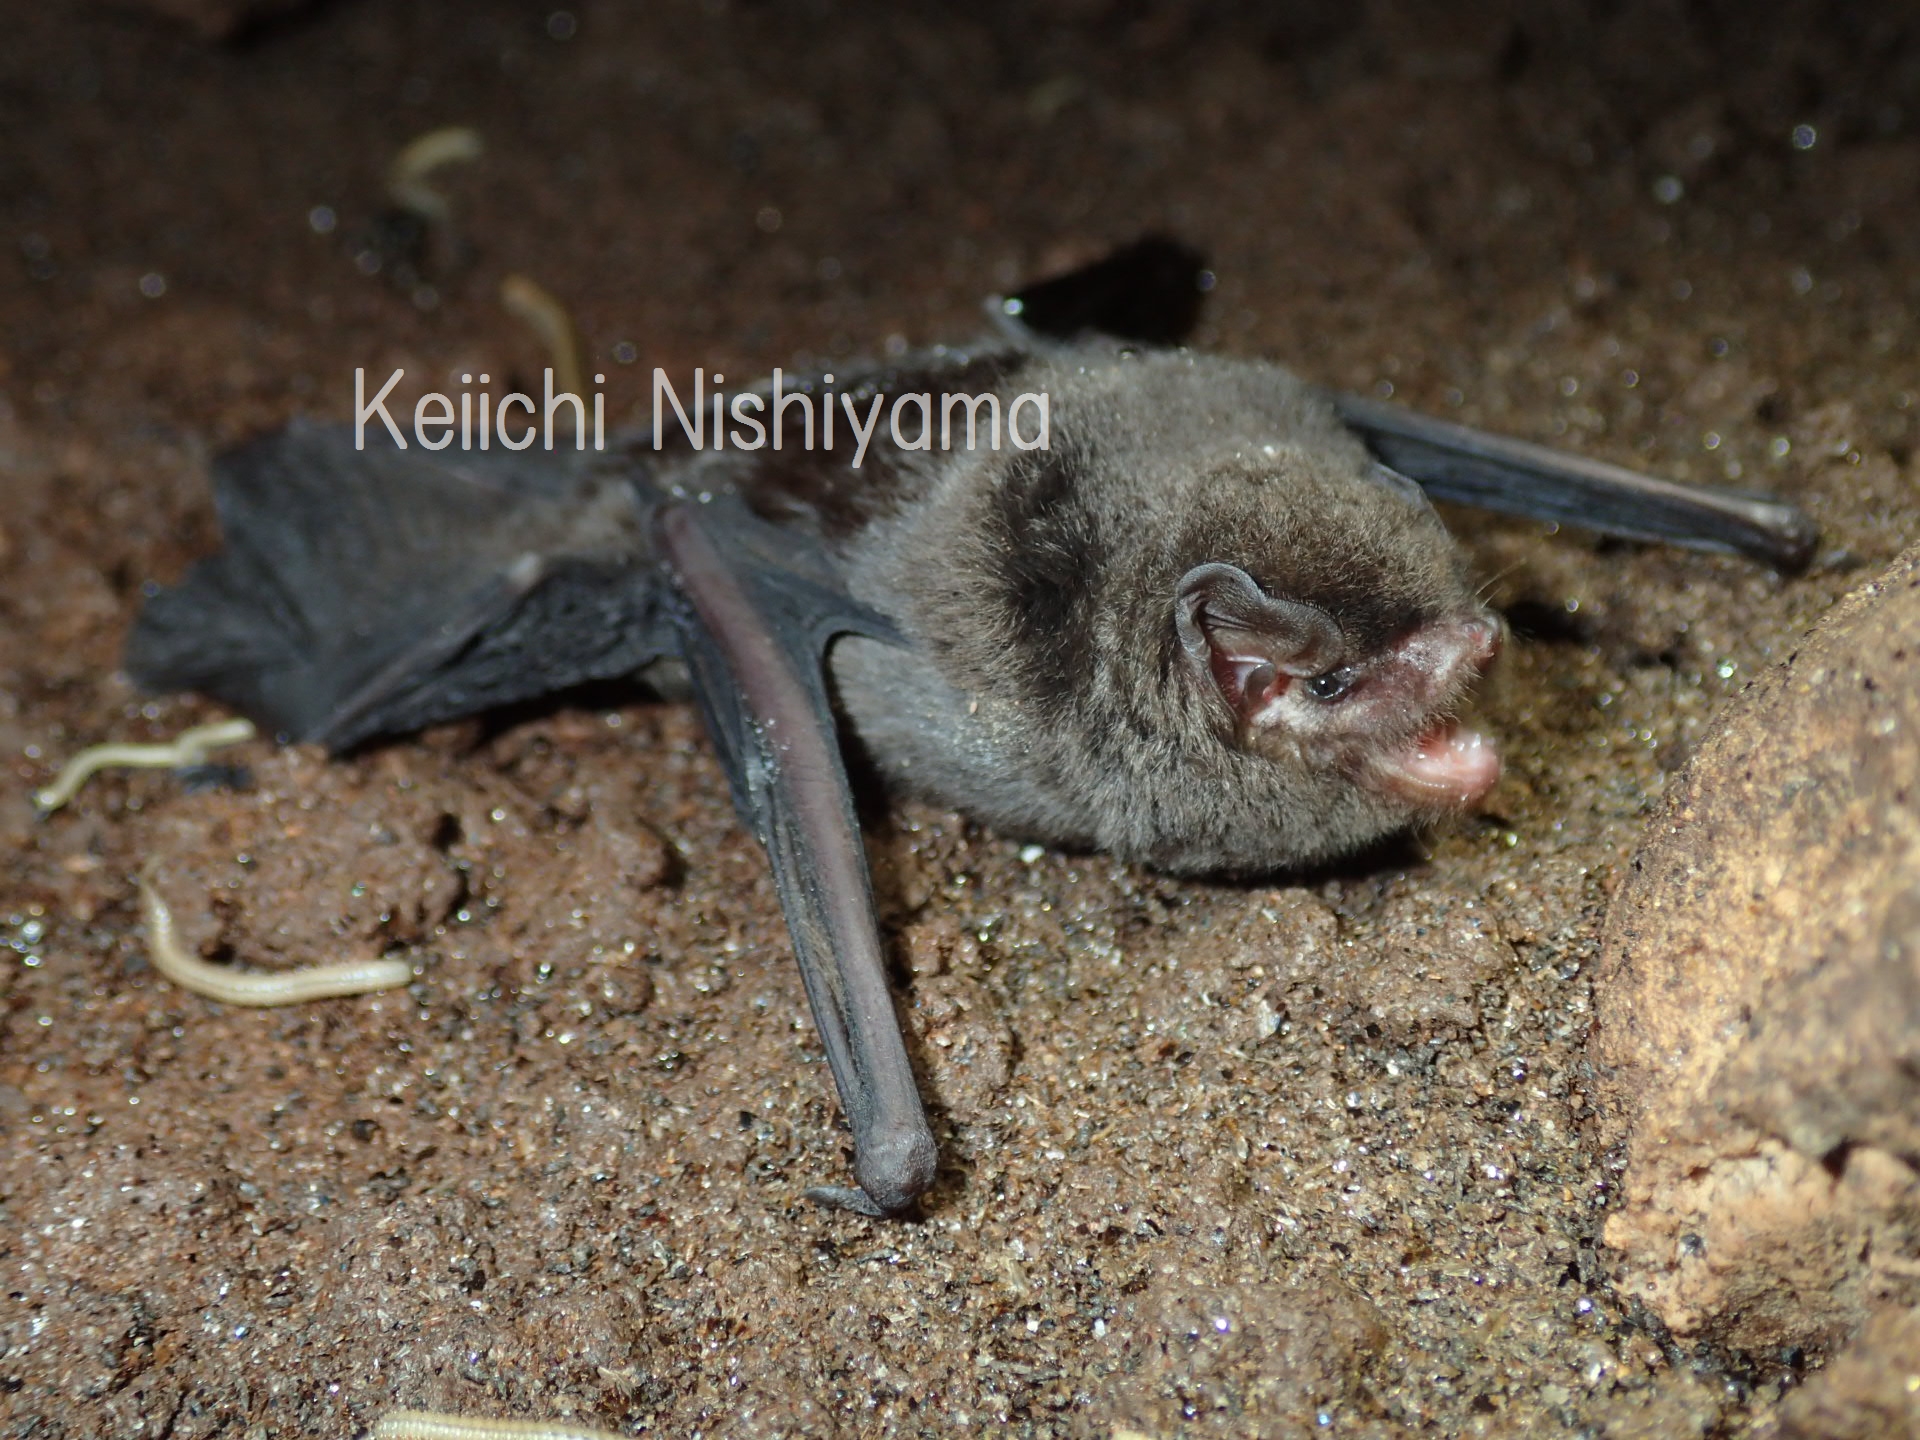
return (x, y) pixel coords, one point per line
(1444, 766)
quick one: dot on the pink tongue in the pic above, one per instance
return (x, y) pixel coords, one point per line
(1446, 765)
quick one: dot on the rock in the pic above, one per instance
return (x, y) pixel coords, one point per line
(1758, 1035)
(1872, 1390)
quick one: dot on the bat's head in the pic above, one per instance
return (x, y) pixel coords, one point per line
(1350, 652)
(1297, 685)
(1322, 626)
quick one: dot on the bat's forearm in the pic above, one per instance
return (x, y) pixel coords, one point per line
(784, 748)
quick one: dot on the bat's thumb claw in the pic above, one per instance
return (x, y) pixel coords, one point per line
(894, 1165)
(848, 1197)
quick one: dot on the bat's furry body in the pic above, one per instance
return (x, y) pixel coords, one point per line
(1045, 690)
(1205, 628)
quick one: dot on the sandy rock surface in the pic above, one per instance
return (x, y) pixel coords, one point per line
(1759, 1001)
(1871, 1390)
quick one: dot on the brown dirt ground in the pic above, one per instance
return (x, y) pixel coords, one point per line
(1300, 1158)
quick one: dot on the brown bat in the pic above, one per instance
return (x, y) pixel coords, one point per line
(1185, 609)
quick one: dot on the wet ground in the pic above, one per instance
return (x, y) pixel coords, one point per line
(1306, 1157)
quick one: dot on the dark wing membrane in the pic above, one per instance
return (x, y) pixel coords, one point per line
(1492, 472)
(369, 592)
(1149, 292)
(756, 608)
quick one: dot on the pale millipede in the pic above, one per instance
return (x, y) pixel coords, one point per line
(407, 183)
(256, 987)
(190, 747)
(531, 303)
(433, 1425)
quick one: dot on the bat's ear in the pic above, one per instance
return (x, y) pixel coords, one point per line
(1400, 484)
(1252, 645)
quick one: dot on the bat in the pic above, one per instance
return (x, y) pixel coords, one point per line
(1196, 613)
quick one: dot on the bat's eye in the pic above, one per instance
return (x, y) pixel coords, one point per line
(1332, 685)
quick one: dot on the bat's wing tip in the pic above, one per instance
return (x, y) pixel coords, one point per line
(1517, 477)
(1797, 540)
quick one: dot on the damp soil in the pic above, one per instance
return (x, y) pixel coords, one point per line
(1312, 1156)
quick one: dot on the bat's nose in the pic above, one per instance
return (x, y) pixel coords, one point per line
(1485, 636)
(1442, 653)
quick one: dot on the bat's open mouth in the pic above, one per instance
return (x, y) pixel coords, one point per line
(1445, 765)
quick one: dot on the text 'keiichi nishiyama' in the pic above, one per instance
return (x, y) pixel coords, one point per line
(804, 416)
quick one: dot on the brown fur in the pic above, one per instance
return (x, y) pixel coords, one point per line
(1046, 693)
